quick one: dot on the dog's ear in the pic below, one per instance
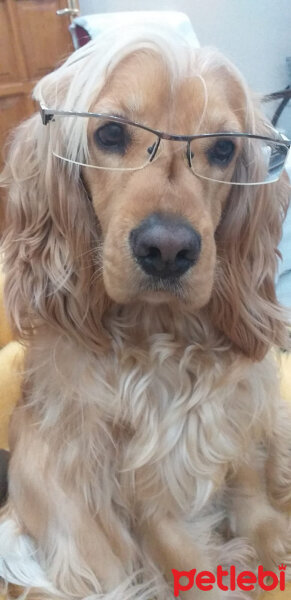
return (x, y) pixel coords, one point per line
(50, 241)
(244, 304)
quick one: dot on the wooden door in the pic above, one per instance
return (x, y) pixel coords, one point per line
(33, 40)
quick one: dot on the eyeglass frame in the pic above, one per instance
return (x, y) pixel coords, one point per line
(47, 115)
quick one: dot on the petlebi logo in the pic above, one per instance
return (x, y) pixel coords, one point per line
(243, 580)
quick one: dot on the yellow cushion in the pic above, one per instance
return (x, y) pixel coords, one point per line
(11, 361)
(285, 371)
(5, 331)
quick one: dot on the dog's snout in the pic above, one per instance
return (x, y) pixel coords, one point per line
(165, 246)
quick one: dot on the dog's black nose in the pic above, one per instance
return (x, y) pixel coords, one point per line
(165, 246)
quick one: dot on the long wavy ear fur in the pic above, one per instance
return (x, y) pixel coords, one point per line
(50, 242)
(244, 304)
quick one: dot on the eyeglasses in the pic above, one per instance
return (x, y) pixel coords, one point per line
(117, 144)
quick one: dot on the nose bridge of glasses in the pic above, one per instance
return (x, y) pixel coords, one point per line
(171, 147)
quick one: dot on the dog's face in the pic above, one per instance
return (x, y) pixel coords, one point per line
(158, 223)
(167, 235)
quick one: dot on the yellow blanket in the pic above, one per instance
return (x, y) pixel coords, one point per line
(11, 357)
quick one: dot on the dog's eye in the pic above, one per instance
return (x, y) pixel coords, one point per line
(112, 137)
(222, 152)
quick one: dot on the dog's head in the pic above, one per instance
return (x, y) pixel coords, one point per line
(80, 237)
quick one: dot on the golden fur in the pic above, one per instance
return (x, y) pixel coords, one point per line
(150, 434)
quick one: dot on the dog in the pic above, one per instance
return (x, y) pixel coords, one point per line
(140, 252)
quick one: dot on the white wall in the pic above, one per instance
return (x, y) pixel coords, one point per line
(255, 34)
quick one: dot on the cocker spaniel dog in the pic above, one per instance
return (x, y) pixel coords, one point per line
(143, 214)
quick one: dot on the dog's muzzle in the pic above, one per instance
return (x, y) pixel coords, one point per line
(165, 246)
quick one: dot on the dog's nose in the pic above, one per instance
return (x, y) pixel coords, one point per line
(165, 246)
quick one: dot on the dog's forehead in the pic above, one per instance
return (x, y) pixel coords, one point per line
(205, 103)
(139, 86)
(143, 88)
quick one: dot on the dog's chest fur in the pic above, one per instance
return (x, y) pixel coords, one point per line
(185, 419)
(165, 416)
